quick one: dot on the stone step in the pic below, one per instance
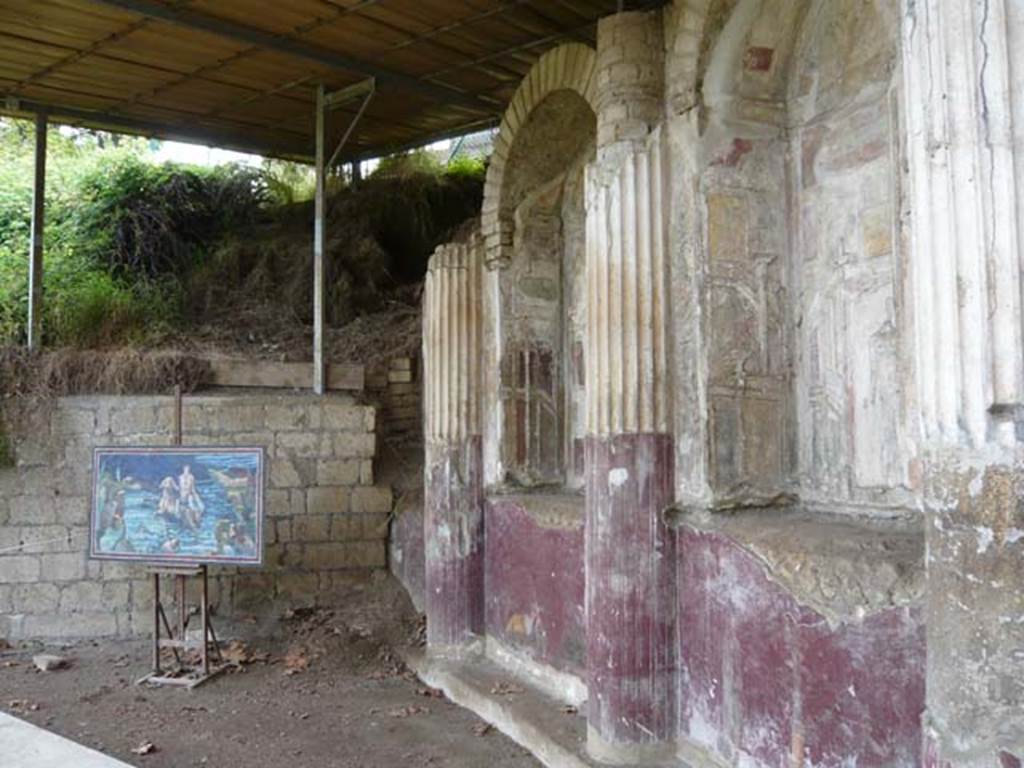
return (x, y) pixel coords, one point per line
(533, 720)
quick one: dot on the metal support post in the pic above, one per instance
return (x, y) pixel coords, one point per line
(35, 264)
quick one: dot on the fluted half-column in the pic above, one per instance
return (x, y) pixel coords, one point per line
(966, 205)
(629, 549)
(963, 65)
(453, 483)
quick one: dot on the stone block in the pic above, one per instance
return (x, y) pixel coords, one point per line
(284, 474)
(329, 556)
(33, 451)
(117, 571)
(38, 597)
(238, 418)
(282, 531)
(346, 528)
(290, 417)
(83, 596)
(307, 528)
(302, 444)
(74, 421)
(80, 625)
(44, 539)
(32, 510)
(71, 510)
(16, 569)
(63, 567)
(338, 472)
(399, 377)
(366, 472)
(252, 590)
(278, 503)
(140, 593)
(11, 538)
(350, 445)
(141, 420)
(299, 588)
(369, 554)
(321, 501)
(343, 417)
(371, 499)
(374, 527)
(6, 600)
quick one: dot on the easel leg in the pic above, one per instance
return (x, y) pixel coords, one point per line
(156, 624)
(204, 613)
(181, 612)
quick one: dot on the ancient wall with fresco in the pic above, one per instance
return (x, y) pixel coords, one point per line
(326, 520)
(800, 335)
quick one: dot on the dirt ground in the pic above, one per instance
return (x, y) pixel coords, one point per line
(316, 687)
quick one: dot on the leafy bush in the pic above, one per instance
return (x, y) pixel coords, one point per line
(135, 249)
(120, 233)
(147, 219)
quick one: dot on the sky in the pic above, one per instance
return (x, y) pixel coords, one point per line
(196, 154)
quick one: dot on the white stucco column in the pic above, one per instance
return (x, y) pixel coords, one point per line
(964, 100)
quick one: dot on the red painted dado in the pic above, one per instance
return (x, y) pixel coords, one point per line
(453, 524)
(764, 676)
(630, 556)
(534, 578)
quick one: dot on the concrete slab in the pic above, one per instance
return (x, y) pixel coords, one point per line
(23, 745)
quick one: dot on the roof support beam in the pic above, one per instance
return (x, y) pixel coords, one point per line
(290, 150)
(319, 243)
(325, 102)
(35, 259)
(288, 45)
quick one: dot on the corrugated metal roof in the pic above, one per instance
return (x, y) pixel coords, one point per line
(243, 73)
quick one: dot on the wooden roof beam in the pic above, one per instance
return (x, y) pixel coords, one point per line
(300, 49)
(18, 107)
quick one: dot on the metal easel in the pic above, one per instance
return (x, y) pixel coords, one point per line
(184, 675)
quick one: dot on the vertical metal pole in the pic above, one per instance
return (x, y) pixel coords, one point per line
(204, 612)
(177, 414)
(156, 623)
(35, 267)
(182, 622)
(319, 370)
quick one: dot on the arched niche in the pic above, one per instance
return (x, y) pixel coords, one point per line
(540, 293)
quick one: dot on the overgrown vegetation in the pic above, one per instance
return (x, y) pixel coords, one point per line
(140, 252)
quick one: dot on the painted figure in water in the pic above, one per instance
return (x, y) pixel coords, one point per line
(193, 505)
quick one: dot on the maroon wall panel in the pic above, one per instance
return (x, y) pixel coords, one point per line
(762, 675)
(535, 586)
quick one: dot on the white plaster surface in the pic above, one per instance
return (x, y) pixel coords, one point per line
(23, 745)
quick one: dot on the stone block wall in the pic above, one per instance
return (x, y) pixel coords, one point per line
(396, 387)
(326, 521)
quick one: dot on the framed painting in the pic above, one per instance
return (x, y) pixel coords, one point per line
(178, 506)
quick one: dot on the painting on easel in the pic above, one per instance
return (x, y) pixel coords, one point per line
(178, 505)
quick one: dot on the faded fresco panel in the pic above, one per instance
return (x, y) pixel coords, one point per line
(178, 505)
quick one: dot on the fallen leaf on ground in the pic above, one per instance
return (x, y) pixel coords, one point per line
(570, 709)
(145, 748)
(483, 729)
(431, 693)
(295, 661)
(236, 652)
